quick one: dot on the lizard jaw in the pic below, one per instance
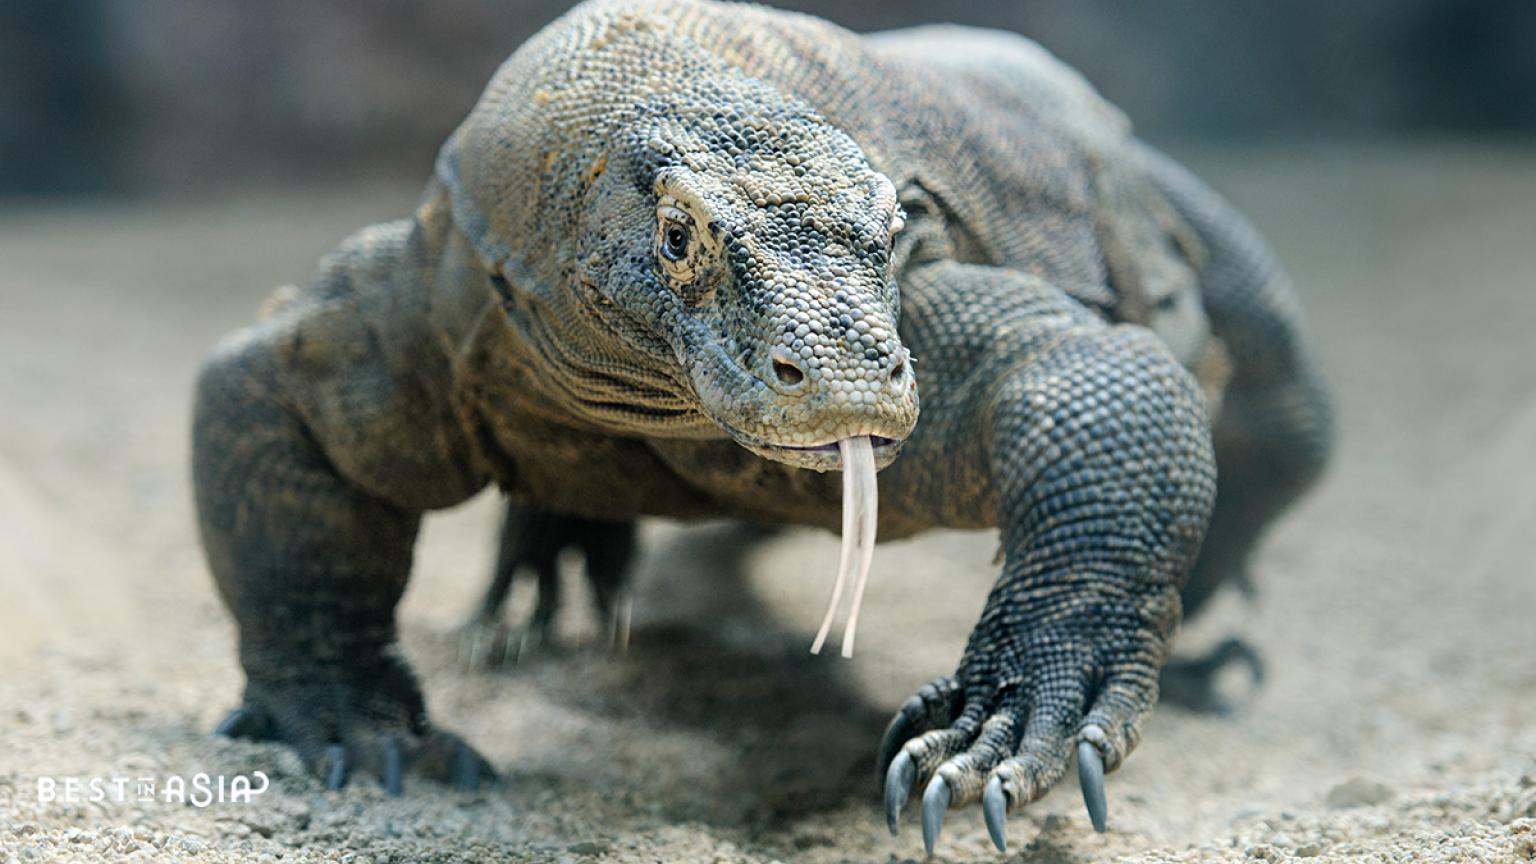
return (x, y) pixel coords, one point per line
(820, 457)
(836, 446)
(830, 456)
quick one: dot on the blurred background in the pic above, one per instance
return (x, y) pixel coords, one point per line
(101, 96)
(164, 164)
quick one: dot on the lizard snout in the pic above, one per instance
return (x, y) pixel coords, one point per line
(870, 370)
(788, 372)
(794, 375)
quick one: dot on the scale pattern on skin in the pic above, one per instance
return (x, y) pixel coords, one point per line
(680, 251)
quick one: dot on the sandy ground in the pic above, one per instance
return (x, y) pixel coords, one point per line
(1397, 606)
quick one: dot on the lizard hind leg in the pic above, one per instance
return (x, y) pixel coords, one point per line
(1195, 683)
(610, 549)
(1275, 426)
(487, 640)
(533, 538)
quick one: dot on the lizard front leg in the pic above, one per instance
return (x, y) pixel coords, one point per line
(312, 460)
(1098, 457)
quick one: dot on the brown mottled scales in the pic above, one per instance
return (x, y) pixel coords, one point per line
(677, 252)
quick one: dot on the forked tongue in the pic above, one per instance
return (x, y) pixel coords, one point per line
(859, 517)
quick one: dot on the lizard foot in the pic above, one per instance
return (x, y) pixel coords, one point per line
(488, 644)
(1195, 683)
(1007, 743)
(343, 724)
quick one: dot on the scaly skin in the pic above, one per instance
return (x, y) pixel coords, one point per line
(676, 252)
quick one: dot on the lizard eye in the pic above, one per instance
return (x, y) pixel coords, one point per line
(674, 242)
(685, 256)
(674, 236)
(677, 245)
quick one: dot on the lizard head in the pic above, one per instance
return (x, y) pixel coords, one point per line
(754, 249)
(689, 248)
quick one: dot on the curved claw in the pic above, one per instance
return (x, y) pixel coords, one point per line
(896, 735)
(243, 723)
(936, 800)
(468, 768)
(394, 768)
(1090, 775)
(336, 767)
(994, 806)
(478, 645)
(937, 700)
(898, 784)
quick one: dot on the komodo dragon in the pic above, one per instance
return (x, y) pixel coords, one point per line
(684, 258)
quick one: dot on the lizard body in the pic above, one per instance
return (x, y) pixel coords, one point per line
(679, 251)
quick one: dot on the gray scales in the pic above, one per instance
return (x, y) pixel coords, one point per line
(677, 256)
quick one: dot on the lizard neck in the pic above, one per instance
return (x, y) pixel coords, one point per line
(519, 347)
(566, 366)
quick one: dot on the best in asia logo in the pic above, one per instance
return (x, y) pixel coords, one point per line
(199, 790)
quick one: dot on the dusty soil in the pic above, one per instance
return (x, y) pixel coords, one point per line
(1397, 606)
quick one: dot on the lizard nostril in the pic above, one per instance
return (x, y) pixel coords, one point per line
(899, 368)
(788, 373)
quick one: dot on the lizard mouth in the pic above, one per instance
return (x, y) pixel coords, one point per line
(878, 442)
(819, 457)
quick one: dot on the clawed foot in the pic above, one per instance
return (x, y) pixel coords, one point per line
(619, 617)
(376, 725)
(1195, 683)
(934, 705)
(488, 644)
(1005, 744)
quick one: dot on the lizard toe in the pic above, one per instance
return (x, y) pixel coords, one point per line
(335, 767)
(951, 764)
(392, 754)
(246, 722)
(1015, 730)
(489, 645)
(935, 705)
(362, 718)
